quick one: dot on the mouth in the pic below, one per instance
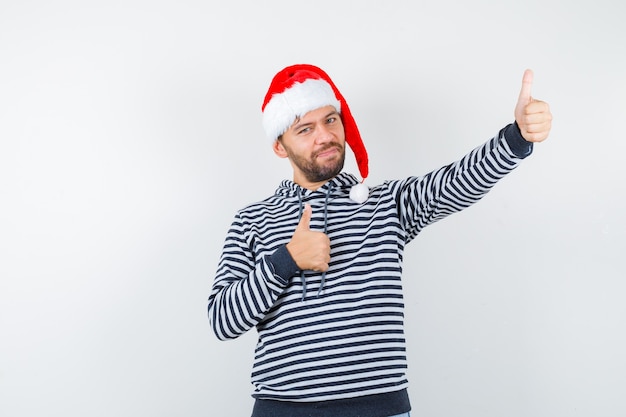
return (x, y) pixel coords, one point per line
(328, 152)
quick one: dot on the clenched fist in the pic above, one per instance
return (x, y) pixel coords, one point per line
(532, 116)
(309, 249)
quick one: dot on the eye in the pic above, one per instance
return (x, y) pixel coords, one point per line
(304, 130)
(330, 120)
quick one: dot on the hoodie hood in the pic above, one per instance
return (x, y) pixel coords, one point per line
(337, 187)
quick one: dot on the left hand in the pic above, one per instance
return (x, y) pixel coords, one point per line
(532, 116)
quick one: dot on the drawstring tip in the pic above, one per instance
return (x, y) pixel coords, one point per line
(303, 285)
(319, 291)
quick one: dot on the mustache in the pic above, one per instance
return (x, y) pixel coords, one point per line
(327, 147)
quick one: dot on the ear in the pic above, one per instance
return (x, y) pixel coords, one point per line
(279, 149)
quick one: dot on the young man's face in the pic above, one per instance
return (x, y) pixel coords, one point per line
(315, 146)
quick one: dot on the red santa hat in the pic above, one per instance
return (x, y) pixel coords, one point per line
(298, 89)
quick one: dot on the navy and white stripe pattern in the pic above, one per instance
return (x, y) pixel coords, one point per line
(347, 341)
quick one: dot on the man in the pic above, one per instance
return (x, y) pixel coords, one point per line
(316, 267)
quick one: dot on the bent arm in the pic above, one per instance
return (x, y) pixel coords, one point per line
(245, 287)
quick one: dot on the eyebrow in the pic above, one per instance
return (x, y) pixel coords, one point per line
(301, 125)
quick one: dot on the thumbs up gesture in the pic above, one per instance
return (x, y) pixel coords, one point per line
(309, 249)
(532, 116)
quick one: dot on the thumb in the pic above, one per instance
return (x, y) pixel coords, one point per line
(305, 220)
(527, 83)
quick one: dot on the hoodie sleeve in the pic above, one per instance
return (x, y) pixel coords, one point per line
(245, 287)
(426, 199)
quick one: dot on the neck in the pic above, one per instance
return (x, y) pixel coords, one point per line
(309, 185)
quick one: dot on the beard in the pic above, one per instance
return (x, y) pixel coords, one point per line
(314, 171)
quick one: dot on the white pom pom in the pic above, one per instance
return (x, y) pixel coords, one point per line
(359, 193)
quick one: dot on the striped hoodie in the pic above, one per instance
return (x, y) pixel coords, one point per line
(339, 335)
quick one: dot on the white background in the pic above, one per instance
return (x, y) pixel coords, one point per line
(130, 134)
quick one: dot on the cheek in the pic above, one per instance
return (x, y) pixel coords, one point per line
(340, 133)
(302, 149)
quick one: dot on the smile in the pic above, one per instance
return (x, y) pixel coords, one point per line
(327, 152)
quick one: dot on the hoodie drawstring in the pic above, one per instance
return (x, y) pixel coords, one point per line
(325, 230)
(301, 209)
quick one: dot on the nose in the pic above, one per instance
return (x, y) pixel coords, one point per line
(323, 134)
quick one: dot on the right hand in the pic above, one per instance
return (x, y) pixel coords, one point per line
(309, 249)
